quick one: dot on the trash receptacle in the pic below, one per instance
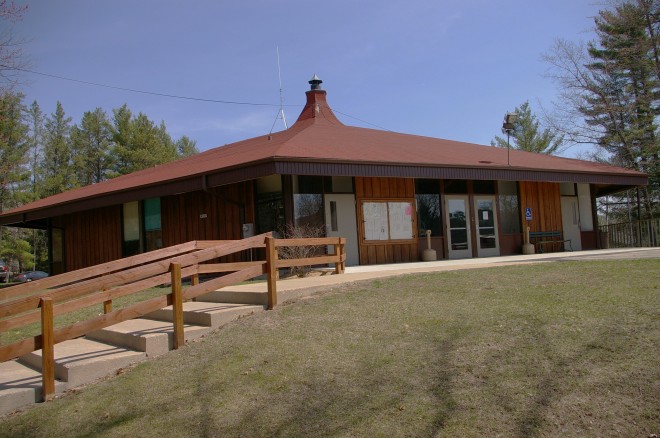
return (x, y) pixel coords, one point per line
(604, 239)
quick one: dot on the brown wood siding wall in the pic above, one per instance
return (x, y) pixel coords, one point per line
(367, 188)
(589, 240)
(181, 221)
(545, 200)
(91, 237)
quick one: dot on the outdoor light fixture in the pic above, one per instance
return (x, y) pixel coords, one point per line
(508, 126)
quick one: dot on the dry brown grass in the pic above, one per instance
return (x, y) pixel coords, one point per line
(561, 349)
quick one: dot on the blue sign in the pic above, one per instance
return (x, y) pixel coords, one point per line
(528, 213)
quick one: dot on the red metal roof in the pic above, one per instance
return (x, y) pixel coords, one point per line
(319, 137)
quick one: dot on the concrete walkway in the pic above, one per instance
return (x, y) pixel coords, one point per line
(293, 288)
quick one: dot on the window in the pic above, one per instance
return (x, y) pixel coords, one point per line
(269, 205)
(142, 229)
(333, 216)
(153, 234)
(456, 187)
(429, 214)
(388, 220)
(509, 207)
(340, 184)
(131, 217)
(483, 187)
(308, 210)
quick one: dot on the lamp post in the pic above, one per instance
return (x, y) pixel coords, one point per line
(508, 126)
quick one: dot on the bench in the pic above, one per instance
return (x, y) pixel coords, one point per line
(542, 238)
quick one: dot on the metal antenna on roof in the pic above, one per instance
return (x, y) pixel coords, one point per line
(280, 113)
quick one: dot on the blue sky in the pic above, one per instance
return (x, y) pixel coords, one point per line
(435, 68)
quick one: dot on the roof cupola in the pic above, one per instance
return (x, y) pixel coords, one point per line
(316, 109)
(315, 83)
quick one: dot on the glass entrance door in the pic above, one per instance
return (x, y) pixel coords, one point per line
(458, 227)
(486, 221)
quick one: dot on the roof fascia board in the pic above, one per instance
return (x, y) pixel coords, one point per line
(290, 167)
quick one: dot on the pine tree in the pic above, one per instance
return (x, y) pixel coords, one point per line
(56, 168)
(36, 122)
(528, 136)
(139, 143)
(613, 88)
(91, 145)
(186, 147)
(625, 62)
(14, 147)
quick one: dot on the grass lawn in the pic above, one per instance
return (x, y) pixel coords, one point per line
(556, 349)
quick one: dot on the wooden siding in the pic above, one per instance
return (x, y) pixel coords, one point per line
(367, 188)
(91, 237)
(511, 244)
(226, 209)
(545, 200)
(589, 240)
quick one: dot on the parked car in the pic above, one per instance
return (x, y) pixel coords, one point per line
(30, 276)
(3, 270)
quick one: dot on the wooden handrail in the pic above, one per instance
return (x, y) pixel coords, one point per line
(94, 271)
(42, 300)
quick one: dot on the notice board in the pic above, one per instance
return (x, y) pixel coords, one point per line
(375, 221)
(387, 220)
(401, 221)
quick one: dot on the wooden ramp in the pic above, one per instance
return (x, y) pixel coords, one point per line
(63, 357)
(104, 352)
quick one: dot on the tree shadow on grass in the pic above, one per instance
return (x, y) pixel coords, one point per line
(552, 371)
(442, 389)
(319, 406)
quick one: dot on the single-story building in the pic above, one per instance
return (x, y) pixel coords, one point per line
(380, 190)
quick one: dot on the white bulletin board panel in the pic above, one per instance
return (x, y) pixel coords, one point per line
(375, 221)
(388, 220)
(401, 220)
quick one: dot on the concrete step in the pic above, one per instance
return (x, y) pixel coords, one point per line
(208, 314)
(236, 297)
(148, 335)
(20, 386)
(81, 361)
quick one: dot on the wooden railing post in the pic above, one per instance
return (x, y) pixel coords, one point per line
(194, 281)
(343, 255)
(271, 272)
(338, 252)
(107, 306)
(177, 305)
(47, 349)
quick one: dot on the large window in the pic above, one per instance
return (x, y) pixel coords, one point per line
(153, 234)
(269, 204)
(308, 210)
(142, 229)
(429, 214)
(132, 235)
(308, 203)
(509, 207)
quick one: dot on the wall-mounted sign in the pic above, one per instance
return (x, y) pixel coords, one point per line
(528, 213)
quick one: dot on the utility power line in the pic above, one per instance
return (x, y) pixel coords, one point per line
(172, 96)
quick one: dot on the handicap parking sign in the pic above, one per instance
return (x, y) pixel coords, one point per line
(528, 213)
